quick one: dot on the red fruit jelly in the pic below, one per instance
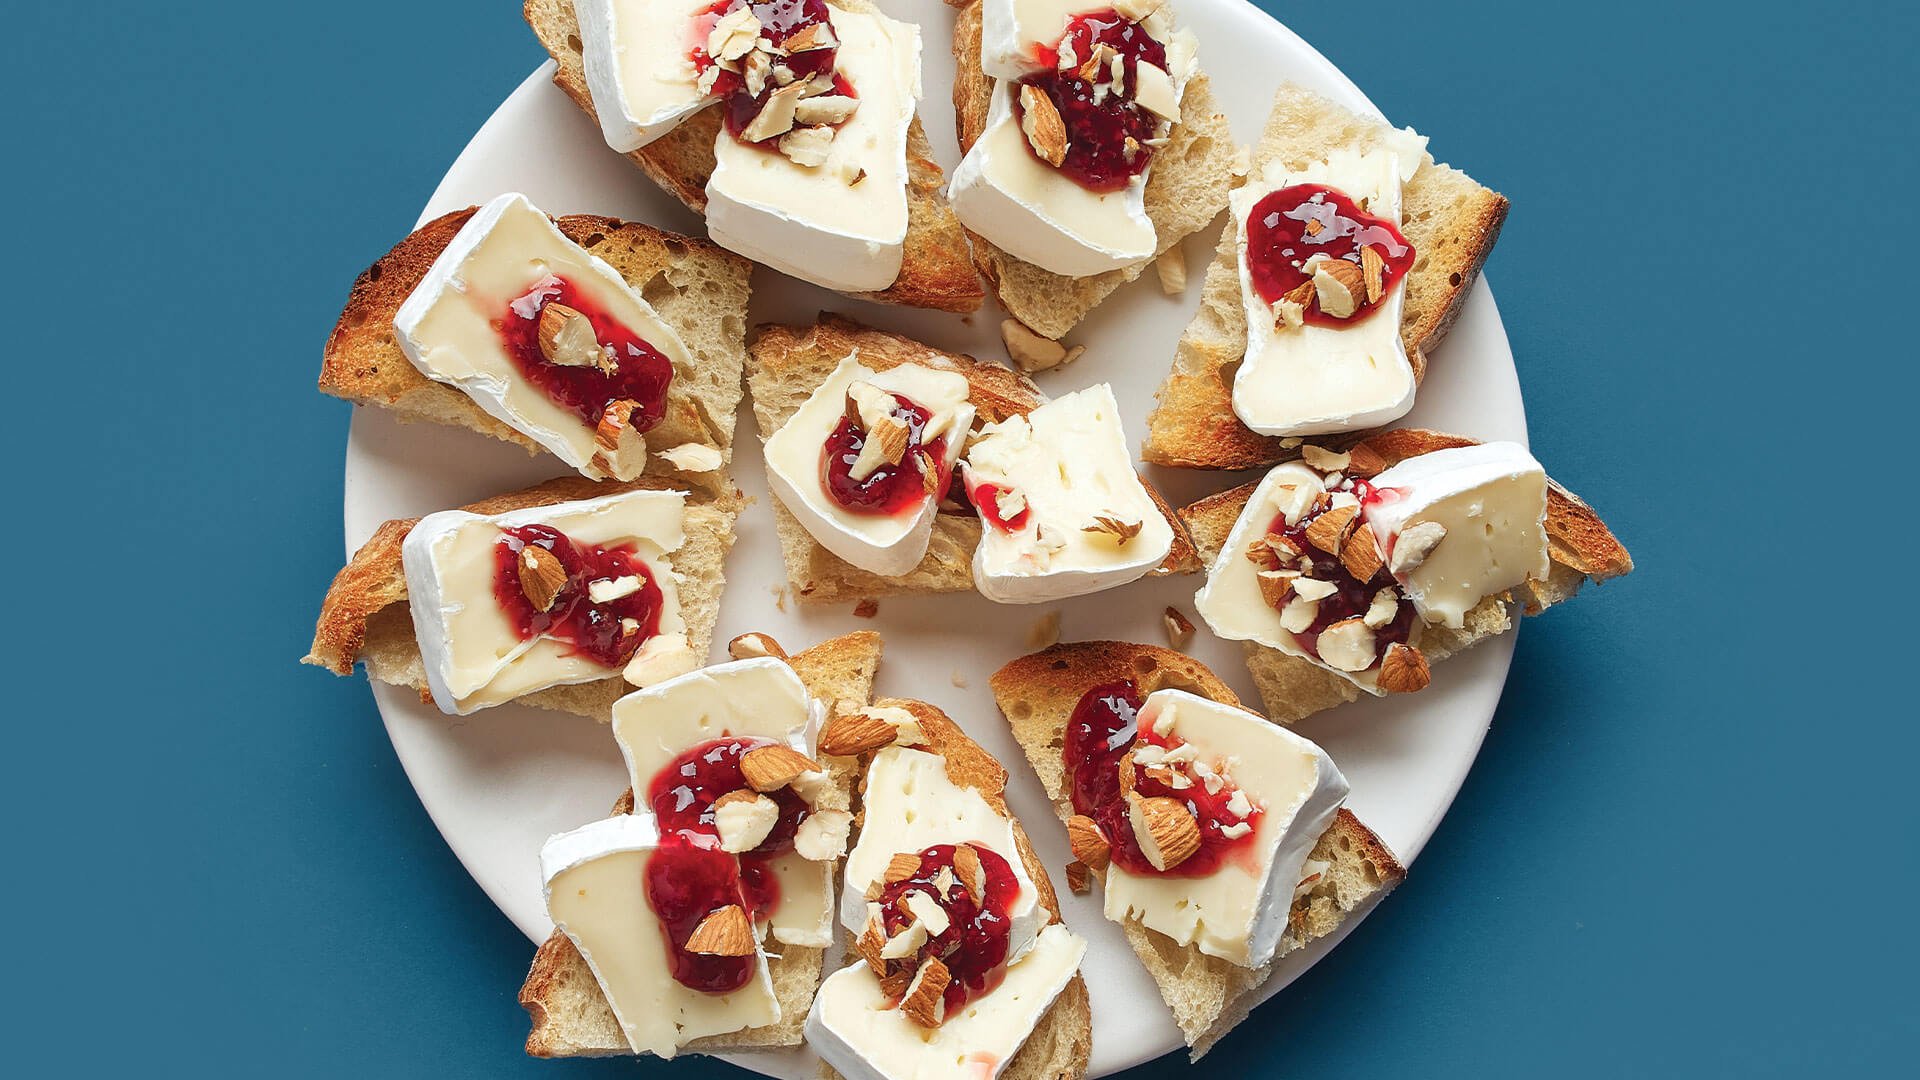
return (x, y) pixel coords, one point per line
(686, 882)
(890, 489)
(1291, 225)
(1104, 726)
(640, 372)
(780, 20)
(974, 945)
(986, 499)
(597, 631)
(1351, 597)
(1099, 124)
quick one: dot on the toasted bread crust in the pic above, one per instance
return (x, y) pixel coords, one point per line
(1038, 693)
(363, 362)
(369, 593)
(1451, 220)
(1186, 190)
(785, 364)
(934, 269)
(569, 1013)
(1580, 546)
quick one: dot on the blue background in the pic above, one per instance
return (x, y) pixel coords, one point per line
(1687, 848)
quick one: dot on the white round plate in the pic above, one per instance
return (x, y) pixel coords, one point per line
(498, 783)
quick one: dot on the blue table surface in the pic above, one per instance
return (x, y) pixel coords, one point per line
(1688, 846)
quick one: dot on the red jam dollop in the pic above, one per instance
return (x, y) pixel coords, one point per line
(1099, 124)
(890, 489)
(639, 372)
(601, 632)
(974, 945)
(686, 882)
(1103, 728)
(986, 499)
(780, 21)
(1291, 225)
(1351, 597)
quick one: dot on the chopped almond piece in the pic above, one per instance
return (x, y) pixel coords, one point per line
(925, 1001)
(1079, 880)
(1121, 531)
(855, 733)
(566, 337)
(1404, 670)
(542, 576)
(1276, 586)
(1364, 461)
(771, 768)
(1373, 273)
(1329, 531)
(1412, 546)
(1165, 829)
(748, 646)
(973, 876)
(902, 866)
(1041, 124)
(1178, 627)
(726, 932)
(1088, 845)
(618, 448)
(1360, 555)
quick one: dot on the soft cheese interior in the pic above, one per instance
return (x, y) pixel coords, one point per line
(595, 880)
(1483, 507)
(1070, 464)
(882, 544)
(639, 66)
(754, 698)
(447, 326)
(843, 223)
(1311, 379)
(853, 1028)
(473, 656)
(1027, 208)
(1239, 912)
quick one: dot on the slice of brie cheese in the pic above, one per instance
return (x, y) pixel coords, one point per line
(447, 325)
(596, 894)
(1070, 463)
(1230, 602)
(912, 804)
(886, 544)
(841, 224)
(1025, 207)
(472, 653)
(760, 698)
(638, 56)
(1490, 499)
(1311, 379)
(1239, 912)
(853, 1029)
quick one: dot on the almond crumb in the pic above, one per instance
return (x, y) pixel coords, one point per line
(1045, 631)
(1178, 627)
(1041, 124)
(1171, 266)
(866, 609)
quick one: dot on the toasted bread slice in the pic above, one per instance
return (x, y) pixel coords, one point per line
(570, 1014)
(698, 289)
(934, 271)
(1581, 547)
(1061, 1042)
(1451, 220)
(1208, 996)
(1186, 190)
(786, 364)
(365, 618)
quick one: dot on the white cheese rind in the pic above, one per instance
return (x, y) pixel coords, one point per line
(809, 221)
(1230, 602)
(910, 803)
(762, 698)
(853, 1030)
(889, 545)
(1312, 380)
(1070, 460)
(637, 55)
(1492, 501)
(446, 325)
(471, 653)
(1238, 913)
(595, 886)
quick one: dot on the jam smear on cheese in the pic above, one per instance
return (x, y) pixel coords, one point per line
(979, 932)
(630, 370)
(686, 882)
(986, 499)
(1288, 227)
(1351, 598)
(1103, 731)
(893, 488)
(1107, 130)
(682, 795)
(608, 632)
(780, 22)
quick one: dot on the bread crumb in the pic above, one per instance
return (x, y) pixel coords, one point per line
(959, 680)
(866, 609)
(1045, 631)
(1172, 268)
(780, 597)
(1078, 879)
(1178, 627)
